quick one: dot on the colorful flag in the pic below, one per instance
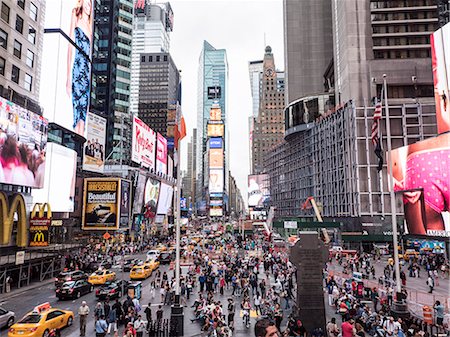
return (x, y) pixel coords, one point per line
(376, 141)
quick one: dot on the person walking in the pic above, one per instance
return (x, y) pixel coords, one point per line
(112, 321)
(430, 283)
(332, 328)
(101, 327)
(139, 326)
(83, 312)
(159, 314)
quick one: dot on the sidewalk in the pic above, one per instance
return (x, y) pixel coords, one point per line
(19, 291)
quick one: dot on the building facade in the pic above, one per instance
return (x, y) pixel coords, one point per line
(159, 82)
(212, 74)
(268, 125)
(111, 74)
(151, 34)
(21, 42)
(308, 44)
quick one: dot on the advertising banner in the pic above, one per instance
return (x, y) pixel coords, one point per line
(169, 166)
(101, 203)
(215, 202)
(38, 233)
(214, 92)
(67, 63)
(161, 154)
(258, 190)
(421, 173)
(165, 199)
(151, 196)
(23, 142)
(94, 147)
(215, 143)
(440, 54)
(215, 211)
(216, 180)
(216, 130)
(138, 200)
(143, 145)
(215, 114)
(60, 177)
(125, 202)
(183, 205)
(216, 158)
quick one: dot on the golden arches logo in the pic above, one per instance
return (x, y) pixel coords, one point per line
(39, 237)
(7, 210)
(39, 209)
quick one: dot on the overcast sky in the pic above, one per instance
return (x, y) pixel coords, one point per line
(239, 27)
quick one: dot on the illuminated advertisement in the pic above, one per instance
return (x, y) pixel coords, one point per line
(161, 154)
(125, 204)
(216, 158)
(216, 180)
(215, 114)
(421, 174)
(151, 196)
(215, 143)
(67, 63)
(214, 92)
(143, 144)
(165, 199)
(440, 53)
(169, 166)
(216, 211)
(216, 130)
(101, 203)
(23, 141)
(138, 200)
(94, 147)
(216, 202)
(60, 173)
(258, 190)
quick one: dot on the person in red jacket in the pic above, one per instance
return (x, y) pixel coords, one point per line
(130, 331)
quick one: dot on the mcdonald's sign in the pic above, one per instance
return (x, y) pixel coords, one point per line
(40, 221)
(8, 207)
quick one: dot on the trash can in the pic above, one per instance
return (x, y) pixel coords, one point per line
(134, 290)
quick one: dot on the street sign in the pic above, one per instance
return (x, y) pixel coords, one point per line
(20, 257)
(106, 236)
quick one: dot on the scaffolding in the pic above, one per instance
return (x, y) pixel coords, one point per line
(334, 161)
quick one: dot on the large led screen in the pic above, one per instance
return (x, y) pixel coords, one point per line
(151, 195)
(125, 204)
(440, 54)
(23, 141)
(216, 158)
(59, 185)
(216, 180)
(258, 190)
(161, 154)
(66, 62)
(143, 145)
(421, 173)
(165, 199)
(94, 147)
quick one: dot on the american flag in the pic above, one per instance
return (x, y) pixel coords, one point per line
(377, 114)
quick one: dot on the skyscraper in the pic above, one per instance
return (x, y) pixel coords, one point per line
(268, 124)
(151, 34)
(159, 82)
(111, 73)
(212, 87)
(308, 44)
(21, 40)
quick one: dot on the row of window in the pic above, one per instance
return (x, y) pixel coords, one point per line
(402, 54)
(400, 3)
(401, 41)
(15, 75)
(413, 15)
(150, 58)
(17, 48)
(5, 14)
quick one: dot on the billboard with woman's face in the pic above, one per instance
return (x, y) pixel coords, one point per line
(66, 62)
(421, 173)
(23, 145)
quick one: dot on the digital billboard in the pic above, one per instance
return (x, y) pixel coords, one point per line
(216, 130)
(216, 158)
(23, 141)
(101, 203)
(215, 114)
(216, 202)
(143, 144)
(59, 184)
(216, 180)
(67, 63)
(138, 199)
(94, 147)
(151, 195)
(169, 166)
(215, 211)
(165, 199)
(161, 154)
(214, 92)
(258, 190)
(421, 175)
(125, 204)
(215, 143)
(440, 53)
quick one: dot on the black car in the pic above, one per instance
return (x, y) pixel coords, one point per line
(74, 289)
(166, 258)
(68, 276)
(94, 266)
(112, 290)
(130, 263)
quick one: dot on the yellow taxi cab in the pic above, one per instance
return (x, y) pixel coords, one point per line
(140, 272)
(153, 264)
(41, 321)
(411, 254)
(101, 276)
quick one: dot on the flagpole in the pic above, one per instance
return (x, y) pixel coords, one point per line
(392, 192)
